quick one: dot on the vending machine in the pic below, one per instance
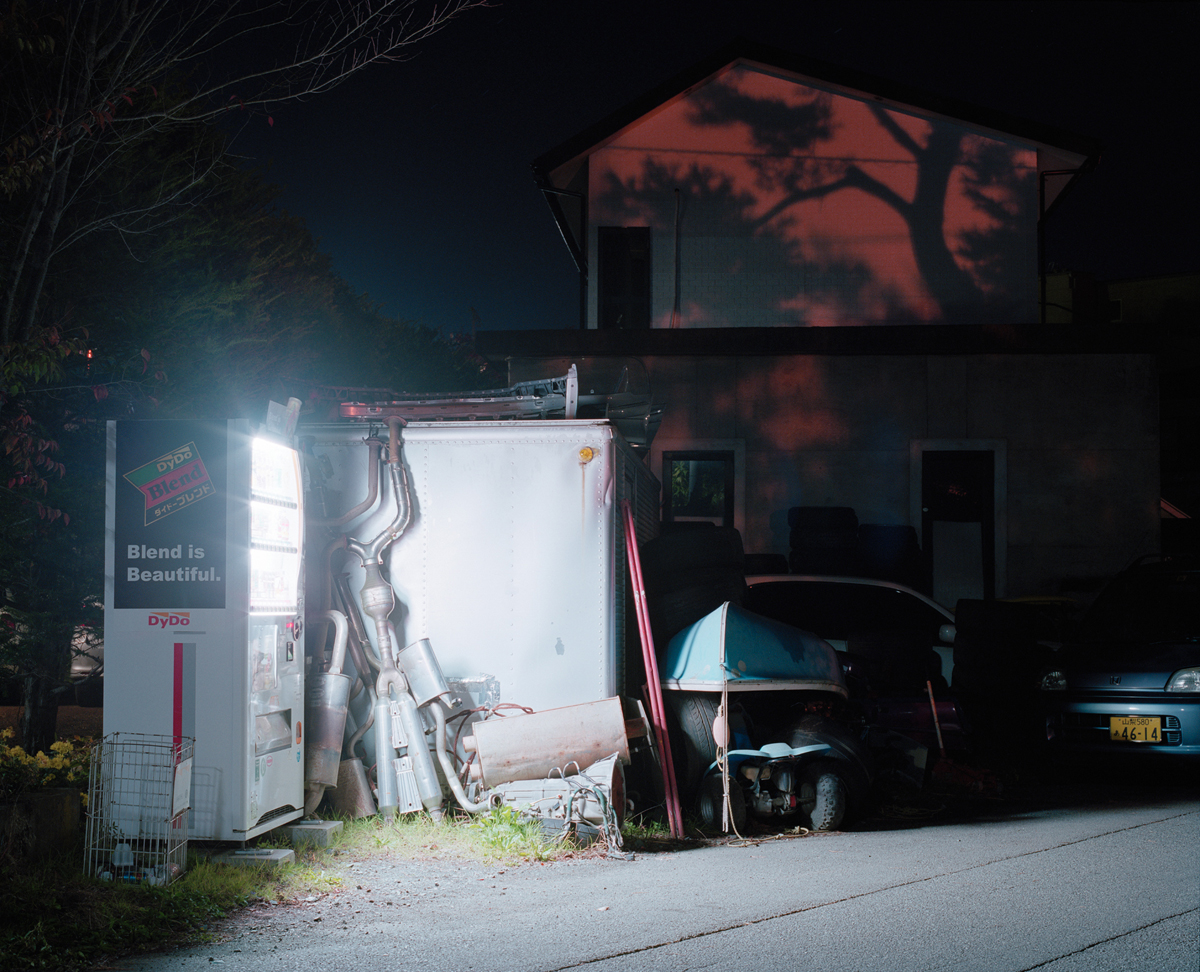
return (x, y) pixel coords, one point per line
(203, 612)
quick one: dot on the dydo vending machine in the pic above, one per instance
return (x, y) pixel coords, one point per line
(203, 612)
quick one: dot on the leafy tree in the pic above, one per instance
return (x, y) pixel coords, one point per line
(239, 306)
(51, 549)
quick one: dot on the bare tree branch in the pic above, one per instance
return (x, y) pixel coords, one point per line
(83, 82)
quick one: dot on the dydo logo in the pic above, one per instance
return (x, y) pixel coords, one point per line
(164, 619)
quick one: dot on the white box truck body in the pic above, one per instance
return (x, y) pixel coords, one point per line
(514, 563)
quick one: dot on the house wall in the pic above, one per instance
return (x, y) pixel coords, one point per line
(773, 202)
(1076, 437)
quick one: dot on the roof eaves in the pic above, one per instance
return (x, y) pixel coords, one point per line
(848, 79)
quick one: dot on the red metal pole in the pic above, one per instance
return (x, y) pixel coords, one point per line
(657, 717)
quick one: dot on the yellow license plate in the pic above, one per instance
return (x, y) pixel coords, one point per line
(1135, 729)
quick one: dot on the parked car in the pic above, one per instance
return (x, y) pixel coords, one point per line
(1130, 683)
(857, 614)
(892, 640)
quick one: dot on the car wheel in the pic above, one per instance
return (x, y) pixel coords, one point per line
(675, 610)
(710, 800)
(694, 715)
(822, 796)
(689, 549)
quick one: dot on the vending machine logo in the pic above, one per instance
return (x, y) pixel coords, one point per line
(172, 482)
(167, 619)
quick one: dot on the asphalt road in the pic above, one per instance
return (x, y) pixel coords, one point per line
(1061, 880)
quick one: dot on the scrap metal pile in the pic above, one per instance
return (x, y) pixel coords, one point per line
(388, 733)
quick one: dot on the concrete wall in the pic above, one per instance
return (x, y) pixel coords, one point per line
(1076, 439)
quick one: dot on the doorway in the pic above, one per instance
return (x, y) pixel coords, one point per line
(960, 487)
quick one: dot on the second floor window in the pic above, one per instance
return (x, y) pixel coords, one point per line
(624, 277)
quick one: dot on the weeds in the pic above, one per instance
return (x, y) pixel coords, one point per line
(53, 917)
(508, 834)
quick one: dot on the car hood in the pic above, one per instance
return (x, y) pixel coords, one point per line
(1138, 666)
(736, 649)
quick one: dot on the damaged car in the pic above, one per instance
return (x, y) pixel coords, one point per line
(756, 705)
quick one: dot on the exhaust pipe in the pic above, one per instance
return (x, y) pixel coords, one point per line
(328, 696)
(405, 782)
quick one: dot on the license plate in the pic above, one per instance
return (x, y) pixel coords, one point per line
(1135, 729)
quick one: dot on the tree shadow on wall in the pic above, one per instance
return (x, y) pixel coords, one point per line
(742, 266)
(794, 160)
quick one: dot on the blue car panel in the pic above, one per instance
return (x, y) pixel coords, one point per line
(1111, 692)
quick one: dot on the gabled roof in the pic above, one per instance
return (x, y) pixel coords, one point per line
(1063, 152)
(821, 74)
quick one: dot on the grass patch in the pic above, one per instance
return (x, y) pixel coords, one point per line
(53, 917)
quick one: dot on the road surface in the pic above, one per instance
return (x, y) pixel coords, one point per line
(1104, 880)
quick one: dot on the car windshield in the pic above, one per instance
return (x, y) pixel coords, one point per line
(843, 611)
(1147, 606)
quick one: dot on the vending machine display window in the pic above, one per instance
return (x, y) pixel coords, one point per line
(275, 528)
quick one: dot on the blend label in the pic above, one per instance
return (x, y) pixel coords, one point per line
(172, 482)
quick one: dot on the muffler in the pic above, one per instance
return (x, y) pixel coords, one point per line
(327, 696)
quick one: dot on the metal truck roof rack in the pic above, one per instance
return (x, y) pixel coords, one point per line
(634, 415)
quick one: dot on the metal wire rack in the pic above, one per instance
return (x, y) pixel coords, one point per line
(139, 794)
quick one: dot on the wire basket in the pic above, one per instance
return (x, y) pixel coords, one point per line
(139, 794)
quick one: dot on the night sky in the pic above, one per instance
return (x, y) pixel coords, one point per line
(416, 176)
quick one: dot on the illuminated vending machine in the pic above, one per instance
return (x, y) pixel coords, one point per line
(203, 612)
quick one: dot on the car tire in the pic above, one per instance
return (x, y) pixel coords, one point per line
(689, 549)
(836, 518)
(822, 796)
(675, 610)
(709, 800)
(694, 714)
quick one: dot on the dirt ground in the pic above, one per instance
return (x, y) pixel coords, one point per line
(73, 720)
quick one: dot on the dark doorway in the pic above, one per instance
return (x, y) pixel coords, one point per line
(958, 524)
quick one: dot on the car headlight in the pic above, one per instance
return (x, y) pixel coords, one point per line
(1054, 682)
(1185, 680)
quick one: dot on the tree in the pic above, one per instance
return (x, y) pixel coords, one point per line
(238, 306)
(51, 550)
(210, 302)
(84, 81)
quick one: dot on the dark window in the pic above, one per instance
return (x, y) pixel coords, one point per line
(699, 486)
(624, 271)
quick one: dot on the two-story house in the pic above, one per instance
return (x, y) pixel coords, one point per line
(832, 285)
